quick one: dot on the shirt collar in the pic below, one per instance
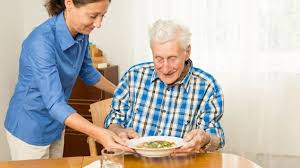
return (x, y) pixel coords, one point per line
(63, 34)
(185, 81)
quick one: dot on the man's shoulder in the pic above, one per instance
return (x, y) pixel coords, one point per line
(139, 71)
(141, 67)
(200, 74)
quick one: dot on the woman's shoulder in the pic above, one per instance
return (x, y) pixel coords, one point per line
(43, 32)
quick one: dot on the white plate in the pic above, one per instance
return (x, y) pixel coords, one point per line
(153, 152)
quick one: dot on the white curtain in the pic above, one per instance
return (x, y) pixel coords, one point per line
(252, 47)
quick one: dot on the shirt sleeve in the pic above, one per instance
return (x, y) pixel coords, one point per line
(45, 74)
(212, 112)
(120, 104)
(88, 73)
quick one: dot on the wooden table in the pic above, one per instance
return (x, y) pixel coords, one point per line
(209, 160)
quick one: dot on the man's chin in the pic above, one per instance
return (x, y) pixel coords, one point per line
(169, 81)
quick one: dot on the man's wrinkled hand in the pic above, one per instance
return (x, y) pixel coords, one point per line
(127, 133)
(194, 141)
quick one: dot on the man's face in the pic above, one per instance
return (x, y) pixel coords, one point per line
(169, 60)
(85, 18)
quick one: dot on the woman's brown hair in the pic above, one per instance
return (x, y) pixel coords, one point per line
(54, 7)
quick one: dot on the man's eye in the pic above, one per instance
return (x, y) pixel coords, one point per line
(173, 58)
(93, 16)
(158, 59)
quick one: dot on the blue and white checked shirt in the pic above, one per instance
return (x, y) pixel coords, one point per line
(143, 102)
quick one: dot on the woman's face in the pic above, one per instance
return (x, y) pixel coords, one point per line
(85, 18)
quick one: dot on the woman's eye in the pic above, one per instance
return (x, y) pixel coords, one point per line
(93, 16)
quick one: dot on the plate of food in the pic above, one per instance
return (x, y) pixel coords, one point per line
(155, 146)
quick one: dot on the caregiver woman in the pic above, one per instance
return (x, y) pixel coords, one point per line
(52, 57)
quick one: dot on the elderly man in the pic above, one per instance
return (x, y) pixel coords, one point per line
(169, 96)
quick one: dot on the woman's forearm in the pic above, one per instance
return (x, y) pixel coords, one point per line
(77, 122)
(106, 85)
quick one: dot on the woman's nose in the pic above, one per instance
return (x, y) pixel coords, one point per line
(97, 22)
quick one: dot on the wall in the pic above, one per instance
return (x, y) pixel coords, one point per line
(33, 15)
(11, 31)
(115, 37)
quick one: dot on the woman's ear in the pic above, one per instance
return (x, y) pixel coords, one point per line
(68, 4)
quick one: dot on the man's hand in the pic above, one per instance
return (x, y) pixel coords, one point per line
(127, 133)
(195, 140)
(110, 140)
(124, 133)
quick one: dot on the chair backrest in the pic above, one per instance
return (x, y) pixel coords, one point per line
(99, 111)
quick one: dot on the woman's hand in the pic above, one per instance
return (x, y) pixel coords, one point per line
(110, 140)
(107, 138)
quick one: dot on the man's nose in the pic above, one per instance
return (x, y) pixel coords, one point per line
(166, 68)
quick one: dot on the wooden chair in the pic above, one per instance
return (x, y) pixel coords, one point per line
(99, 111)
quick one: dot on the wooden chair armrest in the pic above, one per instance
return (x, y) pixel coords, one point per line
(92, 146)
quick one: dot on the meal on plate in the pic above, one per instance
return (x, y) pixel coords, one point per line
(157, 144)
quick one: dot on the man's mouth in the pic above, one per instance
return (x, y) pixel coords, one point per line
(168, 75)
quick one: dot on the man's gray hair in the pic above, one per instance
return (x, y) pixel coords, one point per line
(168, 30)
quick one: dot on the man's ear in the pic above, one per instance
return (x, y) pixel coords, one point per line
(187, 52)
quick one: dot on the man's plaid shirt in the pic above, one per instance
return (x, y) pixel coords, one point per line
(143, 102)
